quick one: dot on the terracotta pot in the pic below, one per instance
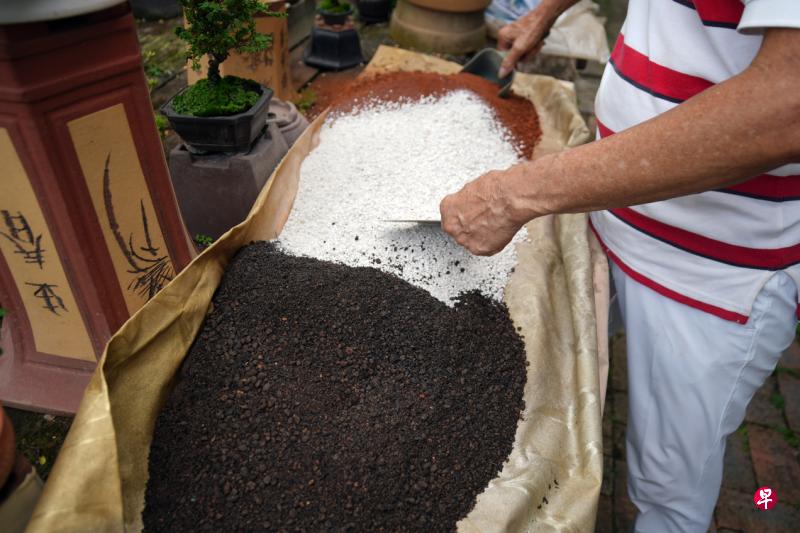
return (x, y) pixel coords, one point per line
(8, 447)
(453, 6)
(433, 29)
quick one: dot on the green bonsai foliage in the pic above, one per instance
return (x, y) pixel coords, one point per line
(218, 26)
(334, 6)
(215, 28)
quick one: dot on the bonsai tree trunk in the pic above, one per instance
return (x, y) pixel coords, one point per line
(214, 60)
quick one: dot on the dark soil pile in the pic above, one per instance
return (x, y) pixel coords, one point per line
(516, 113)
(320, 397)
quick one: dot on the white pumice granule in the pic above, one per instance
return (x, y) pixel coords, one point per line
(389, 161)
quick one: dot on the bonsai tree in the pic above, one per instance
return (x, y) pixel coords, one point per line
(215, 28)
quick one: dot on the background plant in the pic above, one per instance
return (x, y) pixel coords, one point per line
(203, 240)
(217, 27)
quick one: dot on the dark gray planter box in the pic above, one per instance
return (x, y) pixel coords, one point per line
(216, 191)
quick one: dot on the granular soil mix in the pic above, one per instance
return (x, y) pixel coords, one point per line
(393, 146)
(320, 397)
(516, 113)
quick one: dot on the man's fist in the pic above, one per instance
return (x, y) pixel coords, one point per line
(479, 216)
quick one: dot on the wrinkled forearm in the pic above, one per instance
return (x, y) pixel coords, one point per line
(735, 130)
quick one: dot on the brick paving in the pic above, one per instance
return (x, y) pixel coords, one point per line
(764, 451)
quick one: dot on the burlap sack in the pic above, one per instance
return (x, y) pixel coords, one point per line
(552, 478)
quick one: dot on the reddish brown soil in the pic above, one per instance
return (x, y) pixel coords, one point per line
(515, 113)
(327, 87)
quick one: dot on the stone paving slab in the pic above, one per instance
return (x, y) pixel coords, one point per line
(619, 364)
(762, 410)
(624, 510)
(605, 515)
(738, 473)
(607, 487)
(775, 463)
(620, 407)
(790, 390)
(736, 511)
(791, 357)
(608, 432)
(618, 444)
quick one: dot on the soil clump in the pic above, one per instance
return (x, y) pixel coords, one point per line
(321, 397)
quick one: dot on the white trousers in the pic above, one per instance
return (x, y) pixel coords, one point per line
(690, 378)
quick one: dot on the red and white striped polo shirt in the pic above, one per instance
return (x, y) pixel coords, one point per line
(715, 250)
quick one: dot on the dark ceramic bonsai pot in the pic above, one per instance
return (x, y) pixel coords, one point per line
(335, 19)
(233, 133)
(374, 11)
(333, 50)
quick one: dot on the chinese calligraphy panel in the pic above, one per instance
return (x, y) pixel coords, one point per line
(28, 250)
(110, 164)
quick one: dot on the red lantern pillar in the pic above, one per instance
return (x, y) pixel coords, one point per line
(89, 226)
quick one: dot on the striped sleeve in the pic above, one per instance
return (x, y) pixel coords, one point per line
(760, 14)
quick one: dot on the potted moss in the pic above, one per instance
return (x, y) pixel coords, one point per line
(334, 12)
(221, 114)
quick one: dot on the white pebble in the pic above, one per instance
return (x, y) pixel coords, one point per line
(397, 161)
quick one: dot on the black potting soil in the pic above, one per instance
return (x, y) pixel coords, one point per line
(320, 397)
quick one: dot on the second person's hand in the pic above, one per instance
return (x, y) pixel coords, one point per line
(525, 36)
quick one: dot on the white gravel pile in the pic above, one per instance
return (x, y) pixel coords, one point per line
(397, 161)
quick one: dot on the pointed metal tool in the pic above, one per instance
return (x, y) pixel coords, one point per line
(422, 222)
(486, 64)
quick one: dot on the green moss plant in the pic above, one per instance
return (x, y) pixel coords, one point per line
(229, 96)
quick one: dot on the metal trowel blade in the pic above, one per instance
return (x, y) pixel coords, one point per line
(426, 222)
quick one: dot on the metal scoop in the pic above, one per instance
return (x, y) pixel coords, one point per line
(421, 221)
(486, 64)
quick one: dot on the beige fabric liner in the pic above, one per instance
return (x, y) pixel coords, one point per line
(561, 282)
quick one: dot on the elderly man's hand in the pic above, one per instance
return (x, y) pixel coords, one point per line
(481, 216)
